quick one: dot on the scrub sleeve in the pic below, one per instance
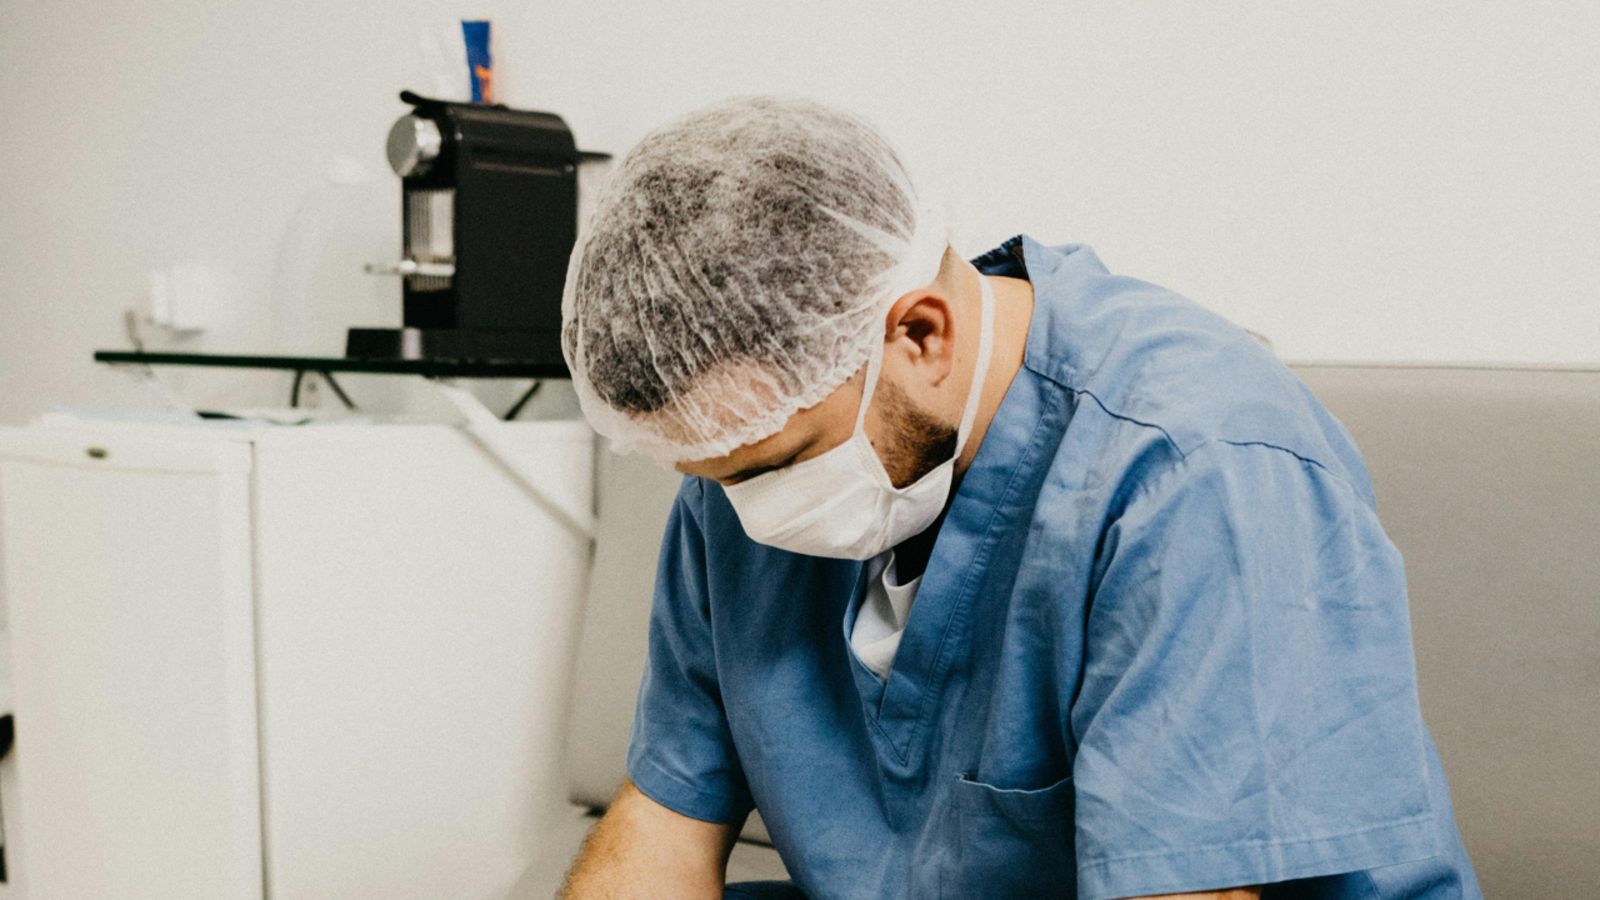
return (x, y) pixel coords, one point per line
(681, 752)
(1248, 712)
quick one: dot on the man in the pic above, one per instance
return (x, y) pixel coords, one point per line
(1005, 579)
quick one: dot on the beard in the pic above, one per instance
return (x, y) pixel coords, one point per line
(919, 443)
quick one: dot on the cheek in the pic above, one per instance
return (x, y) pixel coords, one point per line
(916, 444)
(832, 422)
(902, 457)
(899, 445)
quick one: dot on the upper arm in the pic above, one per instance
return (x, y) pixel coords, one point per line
(701, 845)
(1247, 711)
(641, 848)
(681, 750)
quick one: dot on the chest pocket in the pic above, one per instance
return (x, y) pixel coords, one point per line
(1011, 843)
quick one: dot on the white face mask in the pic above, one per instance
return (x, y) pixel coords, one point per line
(841, 503)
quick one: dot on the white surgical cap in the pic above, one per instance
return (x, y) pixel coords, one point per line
(736, 270)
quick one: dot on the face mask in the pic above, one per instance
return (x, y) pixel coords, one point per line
(841, 503)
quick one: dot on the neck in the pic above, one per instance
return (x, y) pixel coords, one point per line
(1013, 310)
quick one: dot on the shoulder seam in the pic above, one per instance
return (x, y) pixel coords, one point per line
(1303, 458)
(1310, 461)
(1151, 482)
(1182, 454)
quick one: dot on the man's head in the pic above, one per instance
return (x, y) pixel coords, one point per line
(741, 266)
(915, 406)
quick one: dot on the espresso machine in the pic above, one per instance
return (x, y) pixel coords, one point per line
(489, 203)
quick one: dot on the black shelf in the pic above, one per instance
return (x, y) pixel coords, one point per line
(429, 368)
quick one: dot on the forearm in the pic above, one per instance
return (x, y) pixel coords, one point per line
(642, 849)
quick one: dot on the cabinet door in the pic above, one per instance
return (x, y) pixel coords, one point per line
(125, 570)
(416, 612)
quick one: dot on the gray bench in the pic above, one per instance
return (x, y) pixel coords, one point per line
(1488, 480)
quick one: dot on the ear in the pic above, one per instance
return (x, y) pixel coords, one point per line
(918, 331)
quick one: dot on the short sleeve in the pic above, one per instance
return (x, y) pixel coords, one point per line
(681, 752)
(1248, 711)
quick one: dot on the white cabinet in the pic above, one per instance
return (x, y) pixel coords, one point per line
(295, 662)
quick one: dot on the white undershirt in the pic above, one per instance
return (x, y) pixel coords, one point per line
(882, 617)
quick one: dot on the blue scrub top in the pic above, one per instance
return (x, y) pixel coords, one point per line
(1161, 645)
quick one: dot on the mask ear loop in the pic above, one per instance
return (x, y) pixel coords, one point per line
(980, 373)
(874, 368)
(921, 257)
(980, 366)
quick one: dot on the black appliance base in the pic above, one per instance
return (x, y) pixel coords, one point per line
(456, 344)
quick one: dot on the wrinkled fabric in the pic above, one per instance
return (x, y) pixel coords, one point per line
(1161, 645)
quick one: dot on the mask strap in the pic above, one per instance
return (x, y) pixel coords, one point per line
(980, 369)
(922, 255)
(874, 366)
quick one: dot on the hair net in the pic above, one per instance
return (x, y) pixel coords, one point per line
(737, 269)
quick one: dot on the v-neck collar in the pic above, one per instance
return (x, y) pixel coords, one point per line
(936, 632)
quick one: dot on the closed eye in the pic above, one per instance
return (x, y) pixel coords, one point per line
(753, 471)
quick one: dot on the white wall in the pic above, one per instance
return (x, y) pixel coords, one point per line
(1376, 181)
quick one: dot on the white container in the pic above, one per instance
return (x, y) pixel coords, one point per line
(317, 661)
